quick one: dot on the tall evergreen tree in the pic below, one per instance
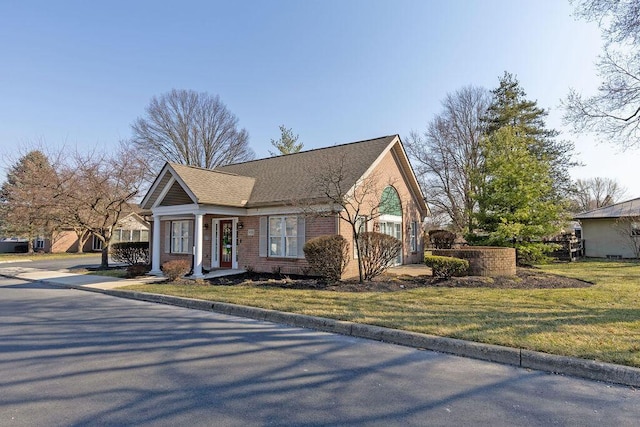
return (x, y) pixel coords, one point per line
(516, 205)
(510, 107)
(28, 198)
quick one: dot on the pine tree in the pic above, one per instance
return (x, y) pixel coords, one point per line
(287, 144)
(28, 198)
(511, 108)
(516, 204)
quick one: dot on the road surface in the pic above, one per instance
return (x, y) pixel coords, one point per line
(76, 358)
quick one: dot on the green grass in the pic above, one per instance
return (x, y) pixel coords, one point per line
(40, 256)
(601, 322)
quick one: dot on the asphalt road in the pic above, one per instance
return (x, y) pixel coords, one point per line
(77, 358)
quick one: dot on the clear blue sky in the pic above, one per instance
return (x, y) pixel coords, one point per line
(80, 72)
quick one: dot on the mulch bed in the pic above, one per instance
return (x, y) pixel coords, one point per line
(526, 278)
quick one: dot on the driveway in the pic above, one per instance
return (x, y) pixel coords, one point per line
(70, 357)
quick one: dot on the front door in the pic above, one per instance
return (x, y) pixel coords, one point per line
(226, 243)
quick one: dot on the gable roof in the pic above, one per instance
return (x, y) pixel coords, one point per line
(199, 186)
(619, 210)
(278, 180)
(281, 179)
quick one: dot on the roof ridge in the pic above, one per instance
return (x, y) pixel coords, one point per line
(204, 169)
(311, 150)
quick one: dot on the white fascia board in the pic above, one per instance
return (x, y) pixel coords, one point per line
(411, 181)
(155, 184)
(195, 209)
(175, 210)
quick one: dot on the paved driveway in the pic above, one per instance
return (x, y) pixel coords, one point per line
(70, 357)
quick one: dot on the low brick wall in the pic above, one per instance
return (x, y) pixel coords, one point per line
(484, 260)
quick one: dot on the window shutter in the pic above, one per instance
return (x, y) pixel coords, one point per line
(190, 230)
(301, 236)
(263, 243)
(167, 237)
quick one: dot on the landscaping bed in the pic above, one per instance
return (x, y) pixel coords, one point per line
(526, 278)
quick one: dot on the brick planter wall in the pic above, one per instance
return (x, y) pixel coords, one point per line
(484, 260)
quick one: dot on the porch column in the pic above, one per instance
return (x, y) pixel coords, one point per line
(155, 250)
(197, 249)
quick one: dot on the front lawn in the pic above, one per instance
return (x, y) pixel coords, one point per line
(10, 257)
(600, 322)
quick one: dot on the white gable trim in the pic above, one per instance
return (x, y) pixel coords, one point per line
(184, 186)
(164, 192)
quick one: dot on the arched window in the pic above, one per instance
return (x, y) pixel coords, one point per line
(390, 202)
(390, 220)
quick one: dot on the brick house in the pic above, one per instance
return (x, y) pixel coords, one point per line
(257, 215)
(130, 228)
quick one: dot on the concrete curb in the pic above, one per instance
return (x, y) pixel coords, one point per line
(583, 368)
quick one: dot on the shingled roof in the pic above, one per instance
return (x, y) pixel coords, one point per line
(276, 180)
(290, 177)
(215, 187)
(629, 208)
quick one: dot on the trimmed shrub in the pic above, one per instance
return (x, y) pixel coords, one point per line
(130, 253)
(176, 268)
(442, 239)
(137, 270)
(377, 252)
(444, 267)
(327, 255)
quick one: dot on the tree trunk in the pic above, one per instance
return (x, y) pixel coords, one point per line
(105, 256)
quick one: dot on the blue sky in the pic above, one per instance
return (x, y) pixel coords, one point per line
(79, 73)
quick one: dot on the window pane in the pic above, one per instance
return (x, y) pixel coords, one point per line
(292, 246)
(292, 226)
(275, 226)
(275, 246)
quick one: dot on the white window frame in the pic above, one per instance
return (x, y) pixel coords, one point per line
(286, 249)
(39, 243)
(96, 245)
(180, 237)
(414, 236)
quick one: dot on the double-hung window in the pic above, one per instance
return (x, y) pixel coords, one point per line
(283, 236)
(180, 237)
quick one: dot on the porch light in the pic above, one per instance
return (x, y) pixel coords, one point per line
(240, 225)
(206, 226)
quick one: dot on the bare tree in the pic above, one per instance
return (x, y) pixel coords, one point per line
(614, 112)
(628, 228)
(191, 128)
(109, 184)
(448, 156)
(356, 202)
(598, 192)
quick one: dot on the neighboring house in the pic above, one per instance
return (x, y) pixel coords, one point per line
(255, 215)
(130, 228)
(612, 231)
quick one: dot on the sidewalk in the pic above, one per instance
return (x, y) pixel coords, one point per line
(521, 358)
(63, 278)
